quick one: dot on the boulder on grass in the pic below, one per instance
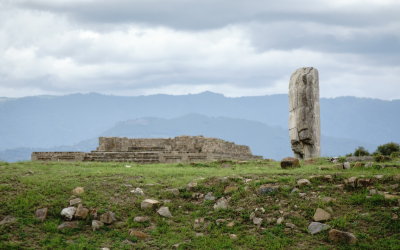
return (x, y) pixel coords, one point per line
(290, 162)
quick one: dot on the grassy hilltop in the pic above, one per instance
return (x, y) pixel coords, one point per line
(370, 210)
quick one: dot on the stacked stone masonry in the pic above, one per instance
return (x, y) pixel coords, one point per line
(171, 150)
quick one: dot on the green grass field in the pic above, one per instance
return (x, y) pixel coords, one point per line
(27, 186)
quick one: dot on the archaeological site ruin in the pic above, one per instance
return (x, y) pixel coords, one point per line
(157, 150)
(304, 113)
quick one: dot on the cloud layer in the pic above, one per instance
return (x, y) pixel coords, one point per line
(184, 46)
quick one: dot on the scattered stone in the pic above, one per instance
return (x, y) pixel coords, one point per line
(78, 191)
(81, 212)
(351, 182)
(268, 189)
(164, 211)
(138, 234)
(341, 237)
(373, 191)
(141, 219)
(137, 191)
(68, 212)
(199, 234)
(290, 225)
(233, 236)
(316, 227)
(128, 166)
(198, 223)
(93, 213)
(191, 185)
(391, 196)
(173, 191)
(257, 221)
(96, 225)
(379, 176)
(290, 162)
(230, 189)
(104, 248)
(197, 196)
(176, 245)
(321, 215)
(327, 178)
(108, 218)
(346, 165)
(230, 224)
(41, 213)
(149, 203)
(219, 221)
(369, 164)
(302, 195)
(222, 203)
(328, 199)
(279, 220)
(68, 224)
(294, 190)
(8, 220)
(209, 197)
(75, 201)
(394, 186)
(303, 182)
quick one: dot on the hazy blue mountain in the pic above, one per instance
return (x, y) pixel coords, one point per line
(265, 140)
(51, 121)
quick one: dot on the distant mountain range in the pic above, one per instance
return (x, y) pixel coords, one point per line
(74, 122)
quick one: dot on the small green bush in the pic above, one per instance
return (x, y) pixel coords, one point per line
(381, 158)
(388, 148)
(360, 151)
(395, 155)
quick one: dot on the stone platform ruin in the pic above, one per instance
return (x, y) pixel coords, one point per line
(158, 150)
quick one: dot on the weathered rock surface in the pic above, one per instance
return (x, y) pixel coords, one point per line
(141, 219)
(209, 197)
(137, 191)
(290, 162)
(108, 218)
(338, 236)
(304, 113)
(268, 189)
(41, 213)
(221, 204)
(316, 227)
(303, 182)
(8, 220)
(78, 191)
(81, 212)
(75, 201)
(321, 215)
(138, 234)
(149, 203)
(68, 212)
(96, 225)
(164, 212)
(68, 224)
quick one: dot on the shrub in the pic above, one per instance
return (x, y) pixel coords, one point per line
(388, 148)
(360, 151)
(395, 155)
(381, 158)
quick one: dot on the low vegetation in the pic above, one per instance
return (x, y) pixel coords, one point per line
(367, 207)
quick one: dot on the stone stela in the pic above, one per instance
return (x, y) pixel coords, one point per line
(304, 113)
(157, 150)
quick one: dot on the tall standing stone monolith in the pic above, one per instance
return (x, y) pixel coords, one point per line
(304, 114)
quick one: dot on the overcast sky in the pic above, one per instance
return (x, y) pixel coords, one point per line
(233, 47)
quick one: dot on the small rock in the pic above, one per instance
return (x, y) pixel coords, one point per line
(302, 195)
(351, 182)
(199, 234)
(268, 189)
(108, 218)
(321, 215)
(69, 225)
(395, 216)
(137, 191)
(222, 203)
(230, 224)
(279, 220)
(257, 221)
(8, 220)
(328, 199)
(391, 196)
(341, 237)
(41, 213)
(316, 227)
(209, 197)
(197, 196)
(81, 212)
(96, 225)
(294, 190)
(379, 176)
(173, 191)
(373, 191)
(78, 191)
(138, 234)
(327, 178)
(369, 164)
(176, 245)
(128, 166)
(104, 248)
(290, 162)
(68, 212)
(303, 182)
(164, 211)
(141, 219)
(230, 189)
(346, 165)
(149, 203)
(75, 201)
(191, 185)
(290, 225)
(233, 236)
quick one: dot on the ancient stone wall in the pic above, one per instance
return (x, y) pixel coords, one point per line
(170, 150)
